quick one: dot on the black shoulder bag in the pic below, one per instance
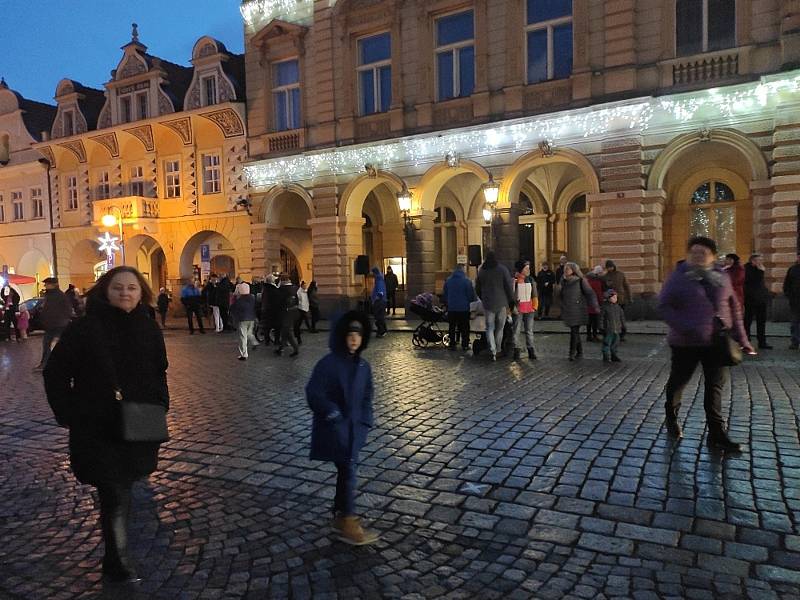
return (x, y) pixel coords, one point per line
(726, 349)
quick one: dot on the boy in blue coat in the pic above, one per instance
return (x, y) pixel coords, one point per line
(340, 396)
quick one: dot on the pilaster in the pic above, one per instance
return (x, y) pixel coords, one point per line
(420, 252)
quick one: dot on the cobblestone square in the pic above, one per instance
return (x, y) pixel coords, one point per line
(543, 479)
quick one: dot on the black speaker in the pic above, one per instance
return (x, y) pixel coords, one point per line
(362, 264)
(474, 255)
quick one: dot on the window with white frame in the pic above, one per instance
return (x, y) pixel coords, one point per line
(69, 123)
(142, 103)
(125, 109)
(17, 206)
(208, 85)
(704, 26)
(455, 55)
(2, 209)
(212, 174)
(172, 178)
(136, 181)
(37, 204)
(375, 73)
(103, 185)
(286, 94)
(549, 39)
(71, 184)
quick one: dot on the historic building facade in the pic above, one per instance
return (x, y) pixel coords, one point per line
(160, 150)
(603, 130)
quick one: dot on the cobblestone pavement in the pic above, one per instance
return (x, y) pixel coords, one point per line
(543, 479)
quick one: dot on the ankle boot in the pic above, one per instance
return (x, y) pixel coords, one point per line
(673, 426)
(579, 351)
(531, 354)
(718, 438)
(117, 567)
(606, 357)
(615, 358)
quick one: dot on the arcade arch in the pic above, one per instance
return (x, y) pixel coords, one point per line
(222, 253)
(146, 254)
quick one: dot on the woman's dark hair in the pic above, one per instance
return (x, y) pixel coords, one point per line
(700, 240)
(734, 257)
(99, 290)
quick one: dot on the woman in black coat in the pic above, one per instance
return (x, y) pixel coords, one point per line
(577, 297)
(116, 346)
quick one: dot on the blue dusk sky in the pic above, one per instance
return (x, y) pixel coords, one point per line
(44, 41)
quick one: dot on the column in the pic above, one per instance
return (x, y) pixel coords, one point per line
(272, 248)
(506, 235)
(419, 250)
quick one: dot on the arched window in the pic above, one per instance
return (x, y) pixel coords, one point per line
(5, 150)
(445, 245)
(368, 238)
(578, 205)
(578, 230)
(525, 205)
(713, 214)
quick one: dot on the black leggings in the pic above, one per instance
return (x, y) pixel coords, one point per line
(575, 346)
(115, 504)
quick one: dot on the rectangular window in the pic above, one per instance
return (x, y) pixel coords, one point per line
(72, 192)
(69, 123)
(549, 39)
(455, 55)
(137, 181)
(172, 177)
(209, 87)
(125, 109)
(2, 209)
(286, 94)
(212, 175)
(17, 205)
(704, 26)
(103, 186)
(141, 101)
(37, 205)
(375, 74)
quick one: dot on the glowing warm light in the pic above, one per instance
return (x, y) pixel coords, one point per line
(487, 215)
(491, 190)
(404, 200)
(108, 243)
(109, 221)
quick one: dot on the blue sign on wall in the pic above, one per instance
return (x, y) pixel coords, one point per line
(205, 253)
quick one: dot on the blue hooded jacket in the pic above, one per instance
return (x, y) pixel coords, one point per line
(379, 289)
(339, 394)
(458, 292)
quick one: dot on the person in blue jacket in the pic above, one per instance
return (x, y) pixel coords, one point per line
(340, 396)
(379, 301)
(458, 292)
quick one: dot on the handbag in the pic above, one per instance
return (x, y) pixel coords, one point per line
(727, 350)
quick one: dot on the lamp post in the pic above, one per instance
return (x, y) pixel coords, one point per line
(404, 204)
(110, 220)
(491, 192)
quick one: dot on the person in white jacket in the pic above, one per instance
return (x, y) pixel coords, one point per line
(303, 308)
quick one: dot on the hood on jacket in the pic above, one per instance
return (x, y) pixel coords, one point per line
(338, 337)
(458, 273)
(377, 272)
(491, 260)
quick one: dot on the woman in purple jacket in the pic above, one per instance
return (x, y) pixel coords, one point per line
(692, 296)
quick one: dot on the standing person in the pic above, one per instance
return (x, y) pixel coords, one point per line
(210, 293)
(458, 293)
(576, 298)
(9, 299)
(493, 287)
(115, 349)
(545, 283)
(54, 316)
(595, 281)
(391, 290)
(612, 320)
(527, 302)
(190, 298)
(270, 311)
(562, 262)
(74, 300)
(303, 308)
(378, 298)
(339, 394)
(23, 321)
(791, 289)
(693, 298)
(616, 280)
(313, 305)
(756, 299)
(287, 311)
(223, 299)
(243, 311)
(735, 270)
(163, 303)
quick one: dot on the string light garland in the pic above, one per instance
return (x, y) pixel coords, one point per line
(710, 107)
(257, 13)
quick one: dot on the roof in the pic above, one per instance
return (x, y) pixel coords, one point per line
(37, 116)
(91, 104)
(179, 77)
(234, 69)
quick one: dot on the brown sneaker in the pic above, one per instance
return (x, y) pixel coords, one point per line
(352, 533)
(338, 524)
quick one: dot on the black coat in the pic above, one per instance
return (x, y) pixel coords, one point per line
(222, 294)
(791, 287)
(94, 351)
(545, 282)
(11, 299)
(56, 310)
(755, 290)
(270, 305)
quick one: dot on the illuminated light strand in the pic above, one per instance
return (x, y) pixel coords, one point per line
(525, 134)
(257, 13)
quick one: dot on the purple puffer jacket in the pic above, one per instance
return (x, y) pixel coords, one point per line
(686, 308)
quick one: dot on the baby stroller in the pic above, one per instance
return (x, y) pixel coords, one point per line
(477, 325)
(428, 333)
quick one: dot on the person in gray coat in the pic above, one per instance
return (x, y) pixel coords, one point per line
(577, 296)
(496, 291)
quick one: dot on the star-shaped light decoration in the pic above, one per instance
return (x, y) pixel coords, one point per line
(108, 243)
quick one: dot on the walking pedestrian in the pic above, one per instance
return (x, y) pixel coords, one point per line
(303, 308)
(9, 299)
(696, 297)
(190, 298)
(493, 286)
(243, 311)
(735, 270)
(287, 311)
(756, 300)
(23, 321)
(458, 293)
(562, 262)
(163, 303)
(791, 289)
(115, 352)
(210, 294)
(75, 300)
(576, 298)
(223, 298)
(613, 320)
(54, 316)
(595, 281)
(313, 304)
(378, 299)
(545, 283)
(527, 302)
(616, 280)
(339, 394)
(391, 290)
(271, 311)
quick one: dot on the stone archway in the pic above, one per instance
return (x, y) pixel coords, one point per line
(287, 242)
(33, 264)
(190, 263)
(147, 255)
(84, 264)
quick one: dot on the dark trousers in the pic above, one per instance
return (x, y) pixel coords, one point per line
(610, 342)
(459, 321)
(288, 324)
(546, 302)
(223, 314)
(194, 310)
(593, 328)
(794, 327)
(345, 500)
(163, 315)
(759, 313)
(314, 317)
(379, 312)
(684, 363)
(9, 319)
(575, 345)
(391, 302)
(115, 503)
(302, 317)
(50, 337)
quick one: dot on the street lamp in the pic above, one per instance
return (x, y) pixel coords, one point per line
(491, 193)
(110, 220)
(404, 203)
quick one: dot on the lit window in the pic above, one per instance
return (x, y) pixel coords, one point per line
(455, 55)
(375, 74)
(141, 101)
(209, 87)
(211, 174)
(72, 192)
(17, 205)
(549, 33)
(172, 175)
(704, 26)
(286, 94)
(137, 181)
(125, 109)
(713, 214)
(69, 123)
(103, 186)
(37, 205)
